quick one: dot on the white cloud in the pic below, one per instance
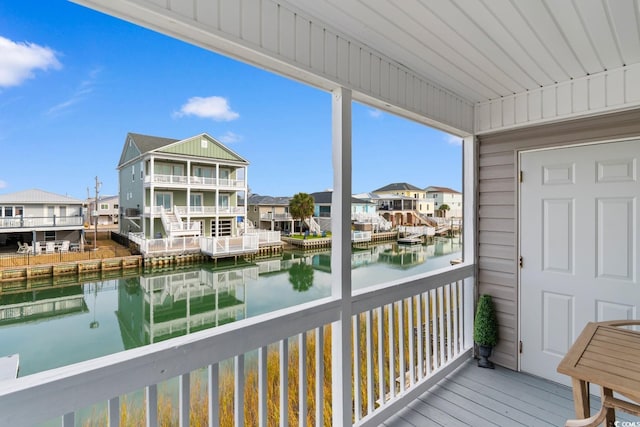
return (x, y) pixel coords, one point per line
(18, 61)
(82, 91)
(229, 138)
(213, 107)
(3, 184)
(375, 113)
(453, 140)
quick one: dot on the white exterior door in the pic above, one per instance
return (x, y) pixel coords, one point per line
(579, 246)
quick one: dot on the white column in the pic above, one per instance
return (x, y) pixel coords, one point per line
(469, 207)
(189, 191)
(152, 200)
(341, 257)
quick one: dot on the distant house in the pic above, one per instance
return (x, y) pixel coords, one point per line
(405, 204)
(423, 205)
(107, 211)
(270, 213)
(189, 187)
(37, 216)
(445, 196)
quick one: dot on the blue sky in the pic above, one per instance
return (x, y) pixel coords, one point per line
(73, 82)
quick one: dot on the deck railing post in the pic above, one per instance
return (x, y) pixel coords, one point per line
(341, 258)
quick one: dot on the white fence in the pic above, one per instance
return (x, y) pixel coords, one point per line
(229, 245)
(405, 338)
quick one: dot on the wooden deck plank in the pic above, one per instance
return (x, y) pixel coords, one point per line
(471, 396)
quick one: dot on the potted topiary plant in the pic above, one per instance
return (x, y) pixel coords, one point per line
(485, 330)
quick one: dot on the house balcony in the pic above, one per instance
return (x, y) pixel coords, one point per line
(276, 217)
(408, 337)
(207, 211)
(17, 224)
(182, 181)
(195, 211)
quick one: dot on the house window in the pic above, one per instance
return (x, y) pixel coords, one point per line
(104, 206)
(133, 173)
(116, 207)
(18, 210)
(8, 211)
(164, 200)
(49, 236)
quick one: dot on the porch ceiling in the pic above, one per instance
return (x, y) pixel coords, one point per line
(484, 50)
(444, 60)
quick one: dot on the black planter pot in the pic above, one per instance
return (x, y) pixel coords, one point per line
(484, 352)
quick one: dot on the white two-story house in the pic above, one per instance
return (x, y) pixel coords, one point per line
(174, 188)
(35, 215)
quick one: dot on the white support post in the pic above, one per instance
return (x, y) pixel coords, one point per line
(341, 257)
(469, 179)
(152, 402)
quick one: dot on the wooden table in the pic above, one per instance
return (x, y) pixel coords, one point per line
(608, 355)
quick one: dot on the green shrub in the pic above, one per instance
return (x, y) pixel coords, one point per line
(485, 327)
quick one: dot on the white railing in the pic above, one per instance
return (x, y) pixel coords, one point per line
(194, 180)
(265, 237)
(360, 236)
(49, 221)
(406, 337)
(422, 230)
(215, 246)
(173, 245)
(276, 217)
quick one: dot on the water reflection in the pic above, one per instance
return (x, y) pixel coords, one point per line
(50, 325)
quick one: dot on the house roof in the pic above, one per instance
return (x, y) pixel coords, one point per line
(324, 198)
(36, 196)
(257, 199)
(148, 143)
(433, 189)
(398, 186)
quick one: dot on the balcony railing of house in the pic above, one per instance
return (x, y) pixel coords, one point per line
(34, 222)
(405, 338)
(265, 237)
(276, 217)
(216, 246)
(171, 245)
(194, 180)
(196, 210)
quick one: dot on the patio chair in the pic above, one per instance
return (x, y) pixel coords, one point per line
(22, 248)
(64, 246)
(50, 247)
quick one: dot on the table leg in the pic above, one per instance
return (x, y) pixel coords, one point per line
(611, 412)
(581, 398)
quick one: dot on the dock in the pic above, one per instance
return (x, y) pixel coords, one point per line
(9, 366)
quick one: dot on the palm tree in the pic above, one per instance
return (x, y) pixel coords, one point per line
(301, 206)
(444, 208)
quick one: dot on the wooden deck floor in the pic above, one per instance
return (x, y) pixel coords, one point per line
(472, 396)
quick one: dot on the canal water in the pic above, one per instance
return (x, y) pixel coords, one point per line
(63, 324)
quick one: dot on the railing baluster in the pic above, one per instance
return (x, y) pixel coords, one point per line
(450, 312)
(381, 388)
(151, 393)
(284, 383)
(69, 420)
(369, 356)
(214, 398)
(262, 387)
(356, 368)
(427, 333)
(401, 339)
(320, 376)
(302, 379)
(420, 344)
(412, 342)
(113, 408)
(455, 311)
(434, 330)
(238, 391)
(392, 353)
(441, 326)
(184, 398)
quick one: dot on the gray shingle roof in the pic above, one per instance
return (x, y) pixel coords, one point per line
(399, 186)
(36, 196)
(256, 199)
(146, 143)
